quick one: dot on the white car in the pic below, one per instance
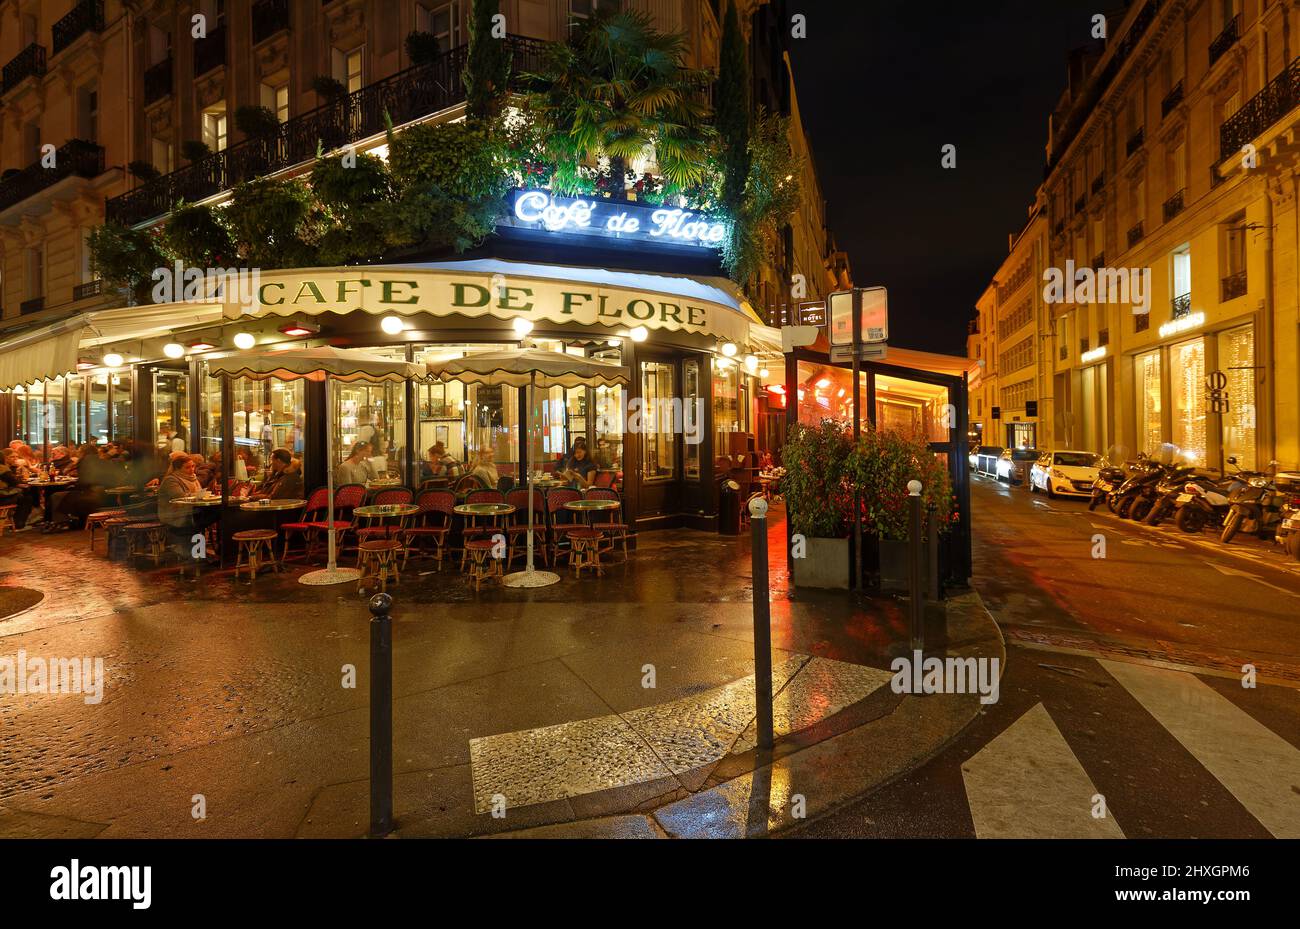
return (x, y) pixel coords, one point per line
(1065, 473)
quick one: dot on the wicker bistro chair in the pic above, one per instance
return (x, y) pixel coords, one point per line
(432, 523)
(560, 522)
(474, 533)
(517, 526)
(346, 499)
(609, 522)
(314, 512)
(95, 521)
(391, 497)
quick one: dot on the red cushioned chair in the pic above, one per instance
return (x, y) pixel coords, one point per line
(315, 511)
(432, 523)
(560, 521)
(610, 522)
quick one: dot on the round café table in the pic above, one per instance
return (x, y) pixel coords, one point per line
(476, 511)
(45, 486)
(591, 557)
(587, 507)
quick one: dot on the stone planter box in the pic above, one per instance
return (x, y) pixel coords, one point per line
(825, 564)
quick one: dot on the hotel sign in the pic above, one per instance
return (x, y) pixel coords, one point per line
(598, 218)
(405, 291)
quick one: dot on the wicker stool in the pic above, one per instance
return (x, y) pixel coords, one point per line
(97, 520)
(148, 540)
(482, 564)
(378, 559)
(255, 549)
(7, 517)
(586, 550)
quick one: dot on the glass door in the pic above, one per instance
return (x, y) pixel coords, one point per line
(658, 425)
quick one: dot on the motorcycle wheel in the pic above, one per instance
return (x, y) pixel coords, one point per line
(1092, 504)
(1155, 516)
(1190, 519)
(1112, 504)
(1140, 510)
(1293, 545)
(1124, 508)
(1231, 526)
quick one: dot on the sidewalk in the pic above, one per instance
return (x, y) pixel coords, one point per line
(533, 702)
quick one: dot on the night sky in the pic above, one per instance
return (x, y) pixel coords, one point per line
(882, 86)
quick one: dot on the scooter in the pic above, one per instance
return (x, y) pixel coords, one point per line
(1135, 497)
(1288, 527)
(1167, 493)
(1109, 479)
(1256, 507)
(1204, 503)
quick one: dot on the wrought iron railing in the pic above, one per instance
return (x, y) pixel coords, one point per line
(1180, 306)
(1098, 183)
(1103, 337)
(1135, 141)
(1171, 100)
(405, 96)
(1226, 39)
(210, 51)
(1279, 97)
(30, 62)
(1135, 234)
(88, 289)
(269, 17)
(1234, 286)
(1080, 202)
(1058, 227)
(34, 305)
(1141, 322)
(76, 156)
(1174, 205)
(86, 16)
(1099, 261)
(158, 80)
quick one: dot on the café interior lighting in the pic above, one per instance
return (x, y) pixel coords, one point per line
(201, 345)
(751, 363)
(174, 350)
(763, 372)
(113, 360)
(245, 340)
(392, 325)
(522, 326)
(729, 349)
(639, 334)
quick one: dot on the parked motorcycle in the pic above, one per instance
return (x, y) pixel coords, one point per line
(1167, 493)
(1135, 497)
(1109, 479)
(1256, 507)
(1204, 503)
(1288, 527)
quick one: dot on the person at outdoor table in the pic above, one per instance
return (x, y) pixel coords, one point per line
(12, 493)
(285, 480)
(71, 507)
(356, 468)
(485, 469)
(179, 481)
(578, 467)
(440, 464)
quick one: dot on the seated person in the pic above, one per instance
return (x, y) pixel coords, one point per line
(356, 468)
(578, 467)
(284, 482)
(485, 469)
(12, 492)
(440, 464)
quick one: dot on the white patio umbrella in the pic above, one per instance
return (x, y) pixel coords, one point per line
(318, 364)
(533, 368)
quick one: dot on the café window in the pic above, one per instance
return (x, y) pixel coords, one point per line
(77, 411)
(1237, 362)
(99, 409)
(913, 408)
(469, 419)
(692, 417)
(825, 392)
(171, 411)
(727, 412)
(658, 432)
(1187, 381)
(1149, 412)
(607, 426)
(265, 415)
(123, 409)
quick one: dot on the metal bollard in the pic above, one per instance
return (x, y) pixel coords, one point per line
(381, 716)
(762, 624)
(915, 566)
(933, 593)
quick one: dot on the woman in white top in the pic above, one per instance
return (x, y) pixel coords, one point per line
(485, 469)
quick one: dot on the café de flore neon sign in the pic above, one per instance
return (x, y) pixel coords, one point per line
(639, 223)
(405, 290)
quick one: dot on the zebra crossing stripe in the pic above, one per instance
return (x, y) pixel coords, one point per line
(1028, 784)
(1258, 767)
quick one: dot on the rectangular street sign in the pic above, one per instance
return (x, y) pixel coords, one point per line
(866, 352)
(875, 315)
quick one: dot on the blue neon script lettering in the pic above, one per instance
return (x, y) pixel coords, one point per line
(677, 224)
(536, 206)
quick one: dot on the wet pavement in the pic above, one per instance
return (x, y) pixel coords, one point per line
(248, 702)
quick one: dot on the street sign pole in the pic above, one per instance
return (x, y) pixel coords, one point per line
(857, 435)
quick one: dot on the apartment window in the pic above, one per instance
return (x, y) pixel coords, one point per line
(215, 11)
(347, 65)
(275, 97)
(1182, 272)
(162, 155)
(441, 20)
(1178, 168)
(1230, 107)
(581, 9)
(88, 113)
(214, 129)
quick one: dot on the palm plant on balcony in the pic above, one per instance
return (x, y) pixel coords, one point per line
(619, 90)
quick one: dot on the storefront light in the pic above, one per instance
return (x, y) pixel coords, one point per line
(174, 350)
(113, 360)
(201, 346)
(613, 343)
(729, 349)
(392, 325)
(245, 340)
(763, 372)
(1175, 326)
(1097, 354)
(298, 328)
(751, 363)
(522, 326)
(639, 334)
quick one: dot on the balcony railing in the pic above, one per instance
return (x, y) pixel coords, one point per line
(1099, 261)
(1135, 235)
(1226, 39)
(76, 156)
(210, 52)
(405, 96)
(1234, 286)
(88, 289)
(1103, 337)
(269, 17)
(1080, 202)
(1180, 306)
(1135, 141)
(30, 62)
(34, 305)
(1171, 100)
(1279, 97)
(158, 81)
(86, 16)
(1174, 205)
(1141, 322)
(1098, 183)
(1058, 227)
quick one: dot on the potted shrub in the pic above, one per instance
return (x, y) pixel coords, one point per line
(880, 467)
(195, 151)
(817, 502)
(422, 48)
(256, 122)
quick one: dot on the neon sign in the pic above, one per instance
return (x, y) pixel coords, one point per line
(644, 223)
(1175, 326)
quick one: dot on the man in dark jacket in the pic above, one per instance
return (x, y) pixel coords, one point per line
(285, 480)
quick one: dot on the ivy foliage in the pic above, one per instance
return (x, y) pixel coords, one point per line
(127, 258)
(771, 195)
